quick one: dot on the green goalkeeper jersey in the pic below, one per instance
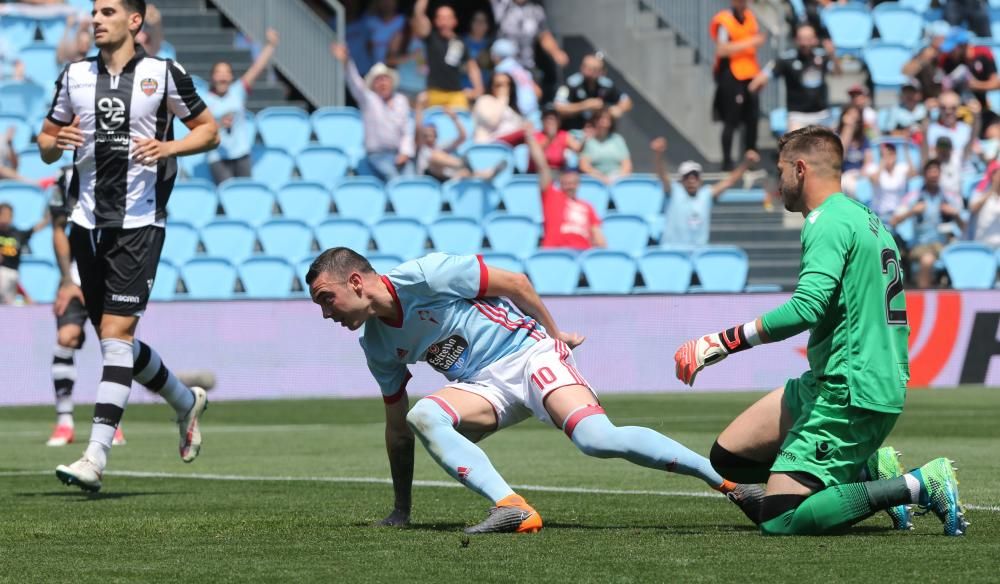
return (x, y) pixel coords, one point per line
(850, 296)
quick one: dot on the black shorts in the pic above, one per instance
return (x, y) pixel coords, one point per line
(117, 268)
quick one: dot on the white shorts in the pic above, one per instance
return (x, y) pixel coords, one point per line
(517, 385)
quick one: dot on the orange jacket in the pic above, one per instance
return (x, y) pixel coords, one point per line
(744, 63)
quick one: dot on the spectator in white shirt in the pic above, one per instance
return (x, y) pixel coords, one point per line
(985, 209)
(955, 152)
(889, 180)
(386, 115)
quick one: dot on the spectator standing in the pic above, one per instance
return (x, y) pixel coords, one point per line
(857, 149)
(389, 143)
(889, 180)
(972, 14)
(356, 34)
(924, 66)
(528, 92)
(605, 155)
(228, 102)
(446, 53)
(985, 209)
(382, 23)
(860, 98)
(524, 23)
(951, 141)
(496, 114)
(804, 69)
(689, 215)
(587, 92)
(478, 41)
(930, 207)
(737, 36)
(12, 242)
(408, 55)
(568, 221)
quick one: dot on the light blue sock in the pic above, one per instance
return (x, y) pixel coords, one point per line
(458, 456)
(596, 436)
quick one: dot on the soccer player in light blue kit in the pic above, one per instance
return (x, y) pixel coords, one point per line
(505, 358)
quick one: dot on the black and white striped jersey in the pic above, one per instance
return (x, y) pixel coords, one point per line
(113, 189)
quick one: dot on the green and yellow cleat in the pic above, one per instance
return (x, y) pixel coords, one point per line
(884, 465)
(940, 495)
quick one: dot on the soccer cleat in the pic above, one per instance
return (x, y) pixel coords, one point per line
(119, 439)
(188, 426)
(884, 465)
(939, 493)
(512, 514)
(749, 499)
(202, 378)
(83, 473)
(61, 436)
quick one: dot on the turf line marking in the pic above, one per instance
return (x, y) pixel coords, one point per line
(416, 483)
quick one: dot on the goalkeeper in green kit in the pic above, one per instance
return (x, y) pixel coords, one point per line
(816, 441)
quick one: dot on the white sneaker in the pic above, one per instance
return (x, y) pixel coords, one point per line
(83, 473)
(188, 426)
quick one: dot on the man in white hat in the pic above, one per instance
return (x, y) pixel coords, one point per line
(688, 219)
(386, 114)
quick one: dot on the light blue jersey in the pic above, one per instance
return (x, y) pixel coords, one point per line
(443, 320)
(689, 217)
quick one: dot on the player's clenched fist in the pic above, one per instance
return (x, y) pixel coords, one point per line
(695, 354)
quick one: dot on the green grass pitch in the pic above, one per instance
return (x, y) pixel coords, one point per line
(308, 524)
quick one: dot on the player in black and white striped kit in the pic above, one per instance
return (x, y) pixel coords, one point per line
(115, 112)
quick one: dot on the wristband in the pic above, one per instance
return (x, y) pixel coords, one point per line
(740, 337)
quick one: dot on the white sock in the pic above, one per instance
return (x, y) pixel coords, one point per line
(64, 419)
(112, 397)
(150, 371)
(914, 484)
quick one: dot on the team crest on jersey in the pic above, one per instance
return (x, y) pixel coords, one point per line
(149, 86)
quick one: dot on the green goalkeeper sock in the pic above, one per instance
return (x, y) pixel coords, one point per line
(838, 507)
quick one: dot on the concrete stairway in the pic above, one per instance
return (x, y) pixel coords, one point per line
(201, 37)
(773, 248)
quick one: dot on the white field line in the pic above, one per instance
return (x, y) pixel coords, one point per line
(416, 483)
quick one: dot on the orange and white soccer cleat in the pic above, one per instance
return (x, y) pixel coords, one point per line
(119, 439)
(512, 514)
(61, 436)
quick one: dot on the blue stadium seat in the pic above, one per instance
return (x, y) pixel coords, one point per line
(471, 198)
(287, 128)
(416, 197)
(521, 158)
(779, 121)
(970, 266)
(666, 271)
(721, 268)
(742, 196)
(40, 279)
(594, 192)
(286, 238)
(209, 279)
(517, 235)
(349, 233)
(267, 277)
(487, 156)
(446, 130)
(246, 200)
(305, 201)
(40, 64)
(165, 283)
(400, 236)
(326, 165)
(180, 243)
(341, 127)
(850, 26)
(898, 25)
(919, 6)
(22, 130)
(384, 263)
(521, 196)
(638, 195)
(40, 245)
(504, 261)
(360, 197)
(885, 63)
(456, 235)
(301, 269)
(195, 166)
(608, 272)
(229, 240)
(30, 164)
(626, 233)
(28, 201)
(193, 202)
(553, 272)
(272, 166)
(18, 31)
(864, 191)
(28, 100)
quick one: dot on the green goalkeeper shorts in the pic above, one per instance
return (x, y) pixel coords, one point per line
(829, 438)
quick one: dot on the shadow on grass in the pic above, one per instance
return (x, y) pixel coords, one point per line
(87, 497)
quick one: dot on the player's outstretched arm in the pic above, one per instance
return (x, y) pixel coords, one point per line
(518, 288)
(399, 447)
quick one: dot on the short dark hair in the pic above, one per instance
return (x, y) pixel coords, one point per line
(6, 207)
(136, 6)
(823, 143)
(932, 163)
(340, 261)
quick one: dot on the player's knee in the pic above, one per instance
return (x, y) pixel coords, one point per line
(596, 436)
(737, 468)
(425, 415)
(70, 337)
